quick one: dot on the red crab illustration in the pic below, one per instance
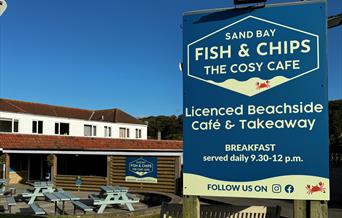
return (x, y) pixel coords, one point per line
(263, 85)
(317, 188)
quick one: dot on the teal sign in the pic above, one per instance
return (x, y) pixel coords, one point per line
(255, 102)
(141, 169)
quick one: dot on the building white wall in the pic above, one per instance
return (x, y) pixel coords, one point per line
(76, 126)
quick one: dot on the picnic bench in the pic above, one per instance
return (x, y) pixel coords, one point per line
(39, 189)
(60, 196)
(79, 205)
(222, 211)
(37, 209)
(10, 202)
(111, 195)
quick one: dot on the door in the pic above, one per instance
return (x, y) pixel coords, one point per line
(38, 167)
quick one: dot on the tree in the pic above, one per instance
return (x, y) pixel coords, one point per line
(170, 127)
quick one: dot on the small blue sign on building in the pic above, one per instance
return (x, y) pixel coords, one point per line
(141, 169)
(255, 102)
(78, 181)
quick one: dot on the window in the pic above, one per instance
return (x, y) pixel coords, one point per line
(89, 130)
(15, 125)
(124, 133)
(62, 128)
(37, 127)
(138, 133)
(108, 131)
(9, 125)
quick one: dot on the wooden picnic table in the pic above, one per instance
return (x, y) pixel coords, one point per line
(110, 195)
(39, 189)
(62, 196)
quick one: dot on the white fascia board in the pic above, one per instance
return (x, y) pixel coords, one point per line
(113, 153)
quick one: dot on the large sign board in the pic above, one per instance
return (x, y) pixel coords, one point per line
(255, 102)
(141, 169)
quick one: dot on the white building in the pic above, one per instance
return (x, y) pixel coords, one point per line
(40, 142)
(21, 117)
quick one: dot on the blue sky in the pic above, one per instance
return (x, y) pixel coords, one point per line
(104, 53)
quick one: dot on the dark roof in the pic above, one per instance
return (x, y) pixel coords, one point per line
(44, 142)
(110, 115)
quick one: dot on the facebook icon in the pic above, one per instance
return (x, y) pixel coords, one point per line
(289, 188)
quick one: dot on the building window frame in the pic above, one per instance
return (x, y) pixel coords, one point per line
(14, 124)
(123, 132)
(107, 131)
(37, 125)
(92, 132)
(58, 128)
(138, 133)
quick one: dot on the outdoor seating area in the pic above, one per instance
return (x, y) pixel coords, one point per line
(43, 198)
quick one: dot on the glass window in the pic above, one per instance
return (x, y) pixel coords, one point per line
(5, 125)
(56, 128)
(9, 125)
(94, 130)
(108, 131)
(37, 127)
(123, 132)
(16, 126)
(138, 133)
(40, 127)
(62, 128)
(34, 126)
(89, 130)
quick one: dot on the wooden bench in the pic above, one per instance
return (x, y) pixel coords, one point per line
(222, 211)
(81, 206)
(37, 209)
(10, 202)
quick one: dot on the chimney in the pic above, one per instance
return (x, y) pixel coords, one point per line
(159, 135)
